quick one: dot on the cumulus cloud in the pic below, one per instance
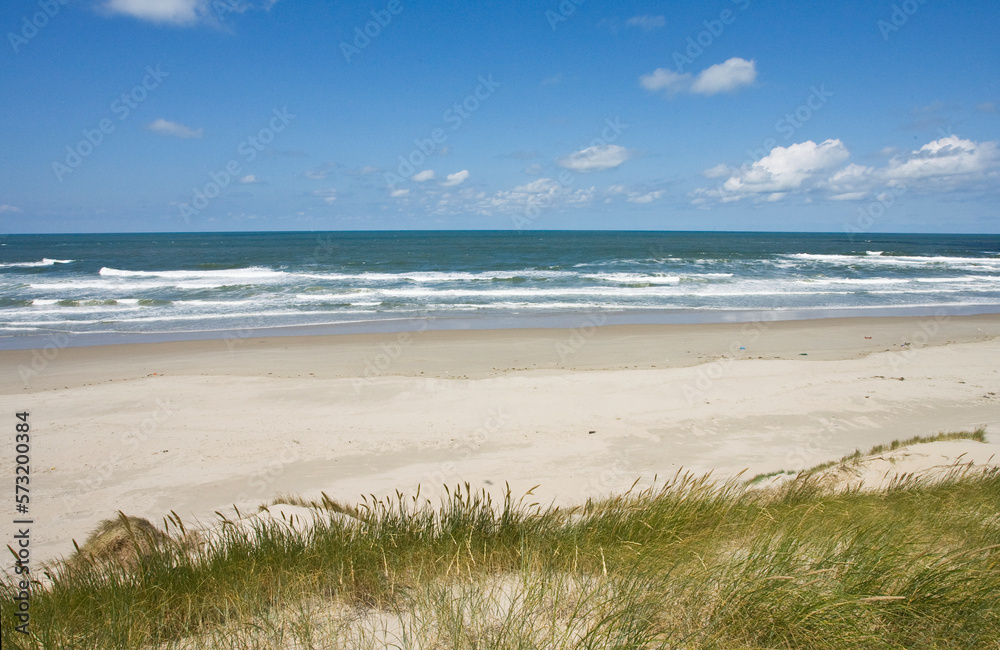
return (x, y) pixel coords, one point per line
(250, 179)
(426, 175)
(455, 179)
(396, 194)
(851, 183)
(595, 158)
(173, 129)
(945, 161)
(726, 77)
(944, 165)
(784, 169)
(646, 23)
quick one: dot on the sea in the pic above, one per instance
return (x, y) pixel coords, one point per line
(109, 288)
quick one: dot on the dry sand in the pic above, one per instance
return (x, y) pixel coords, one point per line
(195, 427)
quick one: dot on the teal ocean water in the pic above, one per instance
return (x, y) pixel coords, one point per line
(163, 284)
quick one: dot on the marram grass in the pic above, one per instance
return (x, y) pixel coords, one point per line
(685, 564)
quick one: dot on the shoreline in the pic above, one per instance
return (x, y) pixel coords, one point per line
(454, 321)
(198, 426)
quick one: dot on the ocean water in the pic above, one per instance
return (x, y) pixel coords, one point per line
(162, 284)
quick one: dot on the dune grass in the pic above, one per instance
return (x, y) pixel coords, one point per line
(685, 564)
(978, 435)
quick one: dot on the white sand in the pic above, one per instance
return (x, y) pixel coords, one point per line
(237, 421)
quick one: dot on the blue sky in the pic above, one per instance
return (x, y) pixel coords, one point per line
(219, 115)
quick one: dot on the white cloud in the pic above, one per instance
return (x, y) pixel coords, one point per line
(250, 179)
(849, 196)
(782, 170)
(426, 175)
(648, 197)
(455, 179)
(787, 168)
(647, 23)
(850, 183)
(720, 170)
(666, 80)
(398, 193)
(723, 77)
(539, 194)
(944, 165)
(178, 12)
(183, 12)
(328, 196)
(595, 158)
(166, 127)
(10, 208)
(533, 170)
(947, 161)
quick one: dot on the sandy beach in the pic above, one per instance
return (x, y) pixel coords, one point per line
(196, 427)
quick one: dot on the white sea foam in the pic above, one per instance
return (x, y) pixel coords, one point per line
(634, 278)
(44, 262)
(895, 259)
